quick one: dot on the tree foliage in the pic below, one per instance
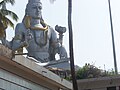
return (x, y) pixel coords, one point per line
(88, 71)
(4, 13)
(91, 71)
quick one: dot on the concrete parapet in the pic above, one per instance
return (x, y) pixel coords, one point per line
(31, 71)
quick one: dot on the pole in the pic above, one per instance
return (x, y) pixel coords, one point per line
(75, 87)
(113, 42)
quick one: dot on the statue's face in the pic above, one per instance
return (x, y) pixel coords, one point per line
(34, 10)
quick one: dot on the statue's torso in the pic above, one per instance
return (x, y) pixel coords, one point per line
(38, 43)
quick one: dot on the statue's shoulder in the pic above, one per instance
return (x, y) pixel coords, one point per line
(50, 29)
(20, 26)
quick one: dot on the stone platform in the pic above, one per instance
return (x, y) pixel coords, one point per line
(21, 73)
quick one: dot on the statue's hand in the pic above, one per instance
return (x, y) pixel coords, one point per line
(62, 52)
(24, 44)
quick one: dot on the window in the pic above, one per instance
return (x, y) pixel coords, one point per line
(111, 88)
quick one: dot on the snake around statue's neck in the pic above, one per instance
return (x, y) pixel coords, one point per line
(27, 23)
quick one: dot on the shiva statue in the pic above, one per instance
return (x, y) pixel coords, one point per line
(39, 39)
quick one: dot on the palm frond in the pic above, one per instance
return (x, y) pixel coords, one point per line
(2, 33)
(7, 22)
(9, 13)
(12, 2)
(0, 14)
(1, 3)
(4, 21)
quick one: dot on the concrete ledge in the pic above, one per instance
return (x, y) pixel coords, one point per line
(102, 82)
(5, 51)
(33, 72)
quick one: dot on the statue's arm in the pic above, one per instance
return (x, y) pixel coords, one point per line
(58, 48)
(18, 40)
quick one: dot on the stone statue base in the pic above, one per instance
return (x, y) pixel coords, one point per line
(61, 64)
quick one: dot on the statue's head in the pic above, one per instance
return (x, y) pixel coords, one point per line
(33, 8)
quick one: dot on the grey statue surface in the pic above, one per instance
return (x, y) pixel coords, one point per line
(40, 39)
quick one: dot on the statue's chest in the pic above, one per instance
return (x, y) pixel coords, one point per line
(38, 34)
(39, 37)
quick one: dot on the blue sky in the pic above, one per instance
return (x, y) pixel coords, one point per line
(91, 28)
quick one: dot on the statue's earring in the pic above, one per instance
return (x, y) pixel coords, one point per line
(27, 21)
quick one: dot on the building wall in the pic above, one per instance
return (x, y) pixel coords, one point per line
(24, 74)
(103, 83)
(100, 89)
(9, 81)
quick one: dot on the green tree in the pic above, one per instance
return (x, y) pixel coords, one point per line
(110, 72)
(88, 71)
(4, 13)
(91, 71)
